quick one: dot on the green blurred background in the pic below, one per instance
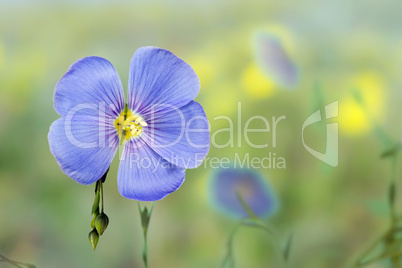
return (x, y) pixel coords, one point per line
(340, 47)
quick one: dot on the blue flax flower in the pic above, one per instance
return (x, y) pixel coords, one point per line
(275, 61)
(162, 129)
(227, 184)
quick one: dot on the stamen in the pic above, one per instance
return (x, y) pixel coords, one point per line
(129, 125)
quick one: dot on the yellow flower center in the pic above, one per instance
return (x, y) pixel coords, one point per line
(129, 125)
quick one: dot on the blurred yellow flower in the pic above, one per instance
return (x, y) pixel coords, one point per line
(364, 104)
(256, 83)
(273, 48)
(204, 68)
(353, 119)
(372, 88)
(225, 99)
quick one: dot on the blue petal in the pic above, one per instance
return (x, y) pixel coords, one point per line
(90, 80)
(274, 60)
(180, 136)
(226, 183)
(144, 175)
(157, 76)
(84, 146)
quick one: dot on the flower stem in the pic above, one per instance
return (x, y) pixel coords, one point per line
(359, 261)
(14, 263)
(145, 250)
(388, 236)
(101, 194)
(145, 219)
(394, 218)
(229, 262)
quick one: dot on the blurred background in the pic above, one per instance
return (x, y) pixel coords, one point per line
(345, 51)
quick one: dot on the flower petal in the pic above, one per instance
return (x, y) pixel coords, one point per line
(83, 145)
(90, 80)
(157, 76)
(275, 61)
(180, 136)
(144, 175)
(227, 184)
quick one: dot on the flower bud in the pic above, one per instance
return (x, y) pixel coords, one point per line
(93, 221)
(93, 238)
(101, 223)
(145, 217)
(95, 206)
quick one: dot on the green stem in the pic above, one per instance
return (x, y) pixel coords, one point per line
(359, 260)
(101, 194)
(377, 129)
(5, 259)
(270, 231)
(145, 250)
(387, 236)
(145, 219)
(382, 257)
(228, 261)
(395, 259)
(381, 134)
(394, 216)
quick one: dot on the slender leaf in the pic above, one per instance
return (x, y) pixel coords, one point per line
(288, 246)
(391, 151)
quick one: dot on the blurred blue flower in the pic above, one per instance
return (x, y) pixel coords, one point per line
(274, 60)
(154, 125)
(227, 184)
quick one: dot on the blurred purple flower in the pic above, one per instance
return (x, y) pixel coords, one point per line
(226, 184)
(274, 60)
(154, 125)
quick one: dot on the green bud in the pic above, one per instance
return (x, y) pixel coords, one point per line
(144, 218)
(93, 238)
(101, 222)
(95, 206)
(93, 221)
(145, 214)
